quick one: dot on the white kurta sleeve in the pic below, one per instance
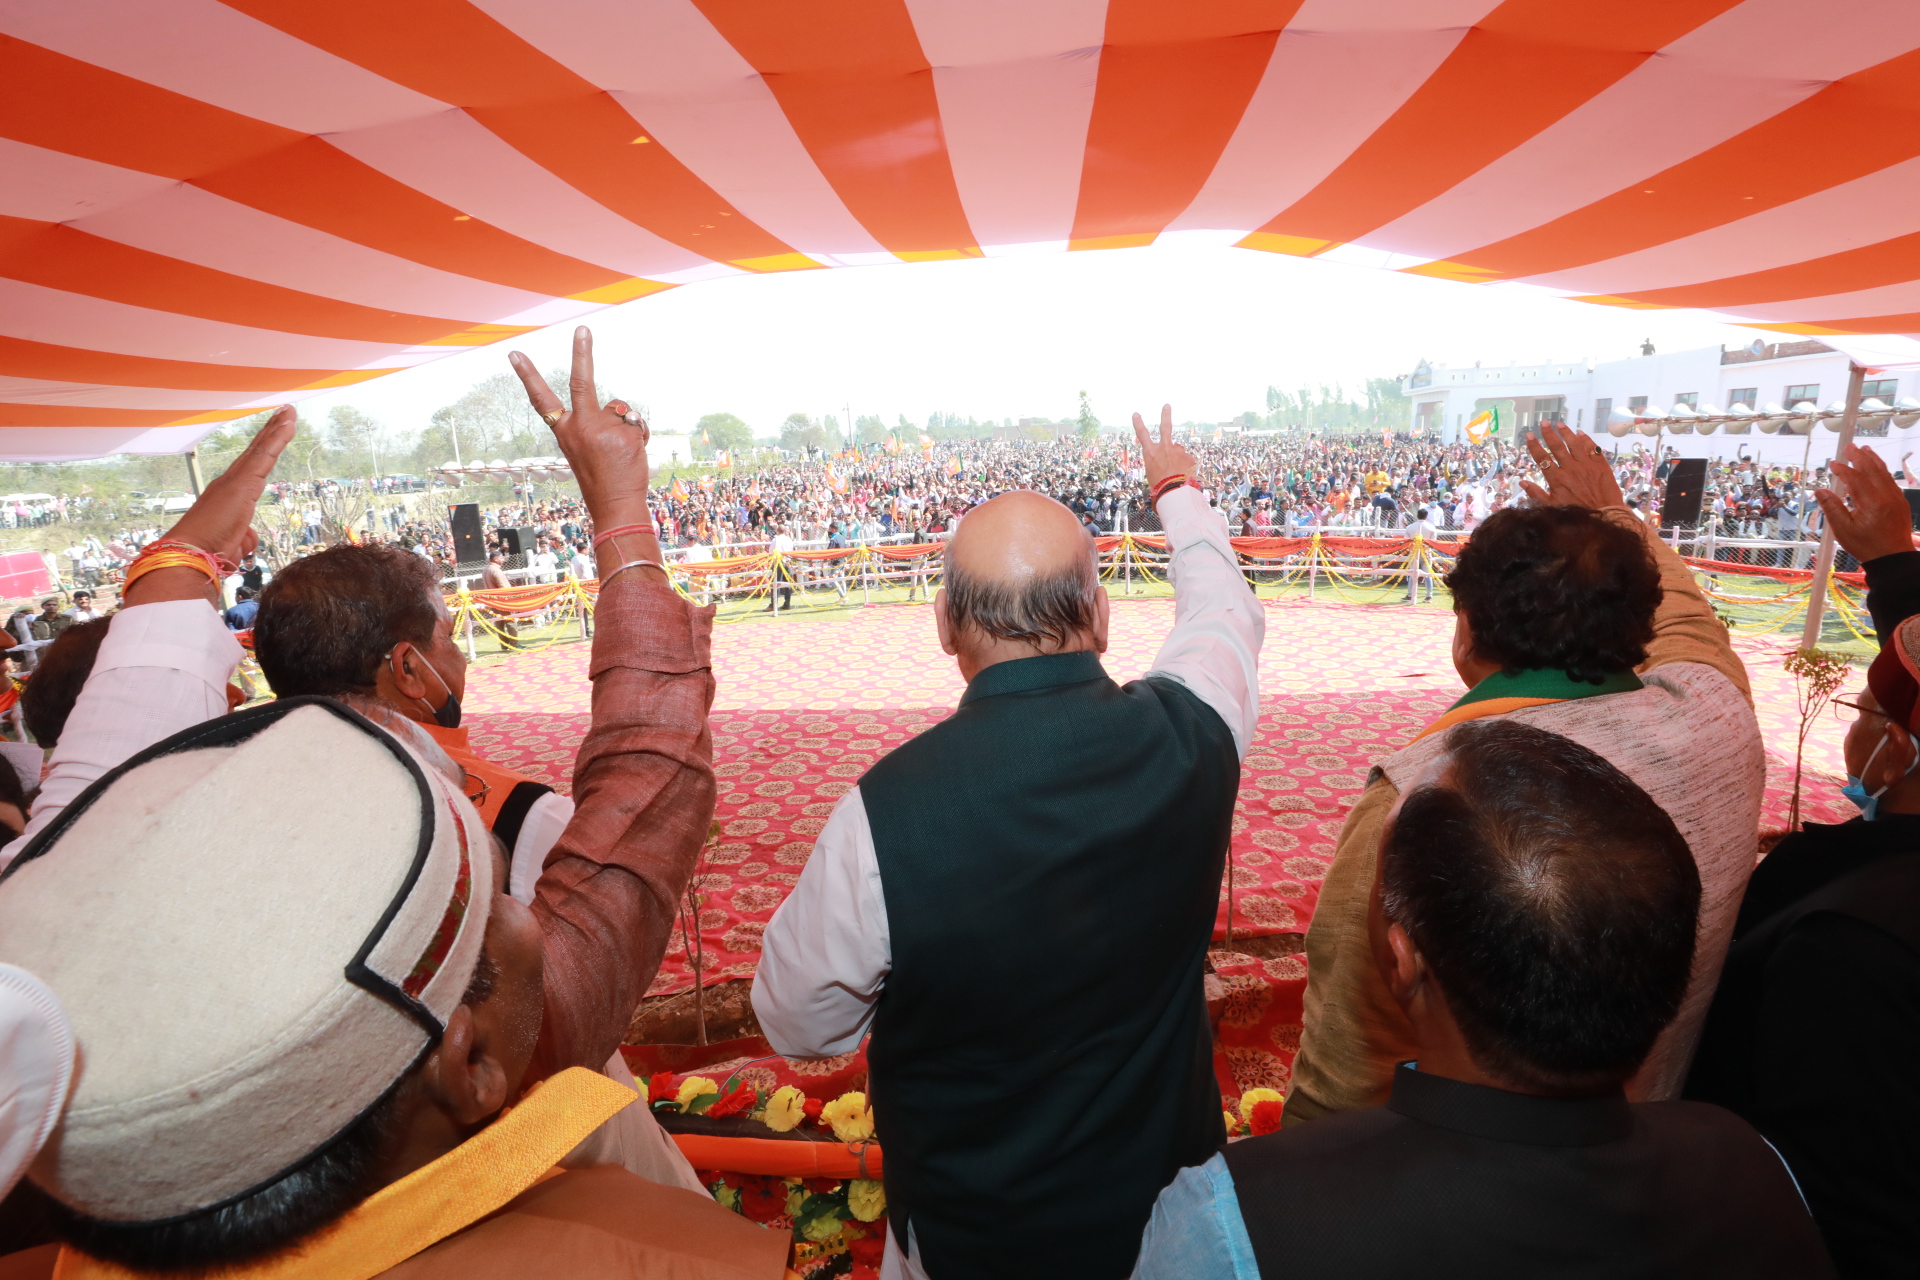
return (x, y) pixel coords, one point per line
(826, 953)
(162, 668)
(1214, 648)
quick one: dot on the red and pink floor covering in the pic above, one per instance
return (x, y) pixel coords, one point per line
(805, 706)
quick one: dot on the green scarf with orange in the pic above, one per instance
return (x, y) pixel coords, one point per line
(1505, 691)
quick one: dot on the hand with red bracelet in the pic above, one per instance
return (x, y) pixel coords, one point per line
(220, 522)
(1164, 459)
(608, 454)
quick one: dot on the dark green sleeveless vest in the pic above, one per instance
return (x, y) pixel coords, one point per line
(1051, 859)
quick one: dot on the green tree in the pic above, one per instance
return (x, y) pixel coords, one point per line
(717, 431)
(800, 432)
(1086, 424)
(870, 429)
(1387, 404)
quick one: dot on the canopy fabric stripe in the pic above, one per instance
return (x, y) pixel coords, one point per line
(211, 207)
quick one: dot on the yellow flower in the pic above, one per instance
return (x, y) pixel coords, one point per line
(822, 1229)
(850, 1116)
(1252, 1096)
(729, 1197)
(796, 1196)
(866, 1199)
(785, 1109)
(692, 1087)
(1233, 1121)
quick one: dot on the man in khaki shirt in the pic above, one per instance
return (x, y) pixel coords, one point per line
(1573, 616)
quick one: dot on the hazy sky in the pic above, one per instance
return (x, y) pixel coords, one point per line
(1204, 326)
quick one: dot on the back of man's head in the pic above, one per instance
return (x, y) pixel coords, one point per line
(1021, 569)
(1559, 589)
(1551, 898)
(328, 621)
(64, 667)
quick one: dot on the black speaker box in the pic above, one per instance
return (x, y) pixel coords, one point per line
(469, 540)
(1686, 485)
(518, 544)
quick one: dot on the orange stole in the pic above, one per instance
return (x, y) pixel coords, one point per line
(436, 1200)
(500, 781)
(1478, 710)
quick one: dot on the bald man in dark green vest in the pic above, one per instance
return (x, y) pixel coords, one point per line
(1018, 902)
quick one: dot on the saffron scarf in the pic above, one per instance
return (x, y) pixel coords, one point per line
(436, 1200)
(1505, 691)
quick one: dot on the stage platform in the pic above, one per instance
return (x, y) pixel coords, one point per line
(803, 707)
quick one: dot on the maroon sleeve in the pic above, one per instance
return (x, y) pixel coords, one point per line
(643, 793)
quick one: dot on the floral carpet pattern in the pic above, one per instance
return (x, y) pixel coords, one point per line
(804, 707)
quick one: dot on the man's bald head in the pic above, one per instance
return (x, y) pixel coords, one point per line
(1021, 568)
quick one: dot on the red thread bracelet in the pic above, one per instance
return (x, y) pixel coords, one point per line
(603, 538)
(1167, 485)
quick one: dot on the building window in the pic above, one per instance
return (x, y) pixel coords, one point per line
(1884, 390)
(1636, 403)
(1691, 399)
(1802, 391)
(1748, 396)
(1601, 408)
(1550, 409)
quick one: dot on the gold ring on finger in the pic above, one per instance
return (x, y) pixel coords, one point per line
(553, 417)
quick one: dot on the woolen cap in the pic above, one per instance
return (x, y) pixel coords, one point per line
(256, 927)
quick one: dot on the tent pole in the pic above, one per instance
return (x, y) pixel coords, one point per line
(1823, 563)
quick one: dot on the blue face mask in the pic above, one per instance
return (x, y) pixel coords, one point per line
(1856, 790)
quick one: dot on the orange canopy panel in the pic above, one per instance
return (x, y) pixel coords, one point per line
(207, 207)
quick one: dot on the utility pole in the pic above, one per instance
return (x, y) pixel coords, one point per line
(194, 481)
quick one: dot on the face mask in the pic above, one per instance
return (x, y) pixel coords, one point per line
(1856, 790)
(447, 714)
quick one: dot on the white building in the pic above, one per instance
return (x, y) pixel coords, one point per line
(1709, 380)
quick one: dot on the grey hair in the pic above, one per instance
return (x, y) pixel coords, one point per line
(1043, 610)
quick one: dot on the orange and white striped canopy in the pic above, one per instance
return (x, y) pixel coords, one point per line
(207, 207)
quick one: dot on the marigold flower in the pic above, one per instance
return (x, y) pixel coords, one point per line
(1253, 1097)
(866, 1199)
(737, 1101)
(822, 1229)
(763, 1199)
(1266, 1116)
(785, 1109)
(850, 1117)
(691, 1088)
(796, 1196)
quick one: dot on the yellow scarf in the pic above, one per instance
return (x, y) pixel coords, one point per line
(436, 1200)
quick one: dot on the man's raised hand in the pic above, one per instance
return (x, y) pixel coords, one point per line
(1873, 519)
(1576, 471)
(607, 453)
(221, 518)
(1163, 458)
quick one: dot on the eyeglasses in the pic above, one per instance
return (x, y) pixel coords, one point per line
(474, 787)
(1847, 712)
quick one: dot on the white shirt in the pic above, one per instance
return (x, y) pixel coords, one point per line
(162, 668)
(827, 952)
(579, 566)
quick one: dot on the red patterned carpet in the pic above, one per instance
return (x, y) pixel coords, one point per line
(805, 706)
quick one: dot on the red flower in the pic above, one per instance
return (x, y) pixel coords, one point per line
(663, 1087)
(812, 1107)
(763, 1199)
(1266, 1116)
(738, 1102)
(867, 1250)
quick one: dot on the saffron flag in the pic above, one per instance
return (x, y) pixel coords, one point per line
(953, 466)
(723, 459)
(679, 491)
(893, 444)
(1484, 424)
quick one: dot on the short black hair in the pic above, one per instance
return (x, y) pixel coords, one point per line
(55, 684)
(1559, 589)
(259, 1223)
(1554, 901)
(244, 593)
(327, 621)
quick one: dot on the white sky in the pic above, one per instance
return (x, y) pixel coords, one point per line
(1203, 326)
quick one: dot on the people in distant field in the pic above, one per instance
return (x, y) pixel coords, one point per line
(52, 621)
(1573, 617)
(1815, 1028)
(245, 607)
(580, 563)
(1534, 918)
(1418, 570)
(82, 610)
(1018, 901)
(254, 573)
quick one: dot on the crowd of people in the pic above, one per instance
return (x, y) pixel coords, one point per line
(1556, 1022)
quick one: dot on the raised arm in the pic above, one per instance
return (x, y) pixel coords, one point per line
(1685, 627)
(1218, 625)
(1873, 522)
(164, 664)
(643, 781)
